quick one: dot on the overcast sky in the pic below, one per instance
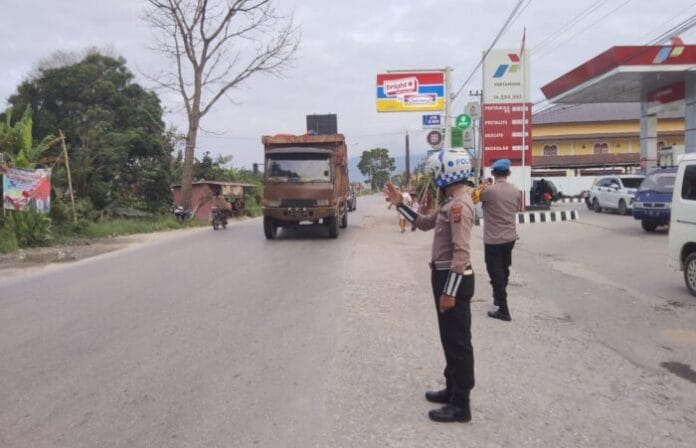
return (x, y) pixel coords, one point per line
(344, 45)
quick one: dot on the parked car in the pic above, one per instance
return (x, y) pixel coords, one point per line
(682, 226)
(351, 200)
(615, 193)
(651, 204)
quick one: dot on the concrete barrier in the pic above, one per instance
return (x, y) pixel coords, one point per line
(543, 217)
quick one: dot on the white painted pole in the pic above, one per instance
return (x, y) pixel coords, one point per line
(448, 107)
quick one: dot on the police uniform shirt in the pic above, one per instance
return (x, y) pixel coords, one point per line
(452, 223)
(501, 201)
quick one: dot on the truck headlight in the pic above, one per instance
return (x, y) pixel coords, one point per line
(668, 205)
(323, 202)
(637, 205)
(272, 203)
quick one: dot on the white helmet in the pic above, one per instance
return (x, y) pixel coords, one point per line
(448, 166)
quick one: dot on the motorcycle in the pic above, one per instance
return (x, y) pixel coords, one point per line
(182, 215)
(218, 218)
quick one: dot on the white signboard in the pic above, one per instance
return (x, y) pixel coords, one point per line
(468, 138)
(503, 75)
(473, 109)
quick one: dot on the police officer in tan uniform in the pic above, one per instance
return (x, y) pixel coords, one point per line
(452, 278)
(501, 201)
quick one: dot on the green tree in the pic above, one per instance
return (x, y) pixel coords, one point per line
(377, 166)
(120, 153)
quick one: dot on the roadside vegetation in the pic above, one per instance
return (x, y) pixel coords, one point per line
(123, 160)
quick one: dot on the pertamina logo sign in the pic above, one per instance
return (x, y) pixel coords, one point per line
(512, 67)
(666, 53)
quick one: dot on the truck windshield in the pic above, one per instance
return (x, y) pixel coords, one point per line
(659, 182)
(299, 168)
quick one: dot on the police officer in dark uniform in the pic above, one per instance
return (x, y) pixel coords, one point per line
(452, 278)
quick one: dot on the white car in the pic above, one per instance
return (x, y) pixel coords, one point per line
(682, 226)
(614, 193)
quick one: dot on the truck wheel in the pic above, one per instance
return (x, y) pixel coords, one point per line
(269, 228)
(344, 219)
(332, 225)
(690, 273)
(595, 206)
(648, 225)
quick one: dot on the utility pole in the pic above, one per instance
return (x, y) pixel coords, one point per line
(448, 107)
(408, 162)
(479, 146)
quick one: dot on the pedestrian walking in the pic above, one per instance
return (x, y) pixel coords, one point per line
(452, 278)
(501, 201)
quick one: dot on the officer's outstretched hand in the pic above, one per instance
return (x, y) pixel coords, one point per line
(446, 303)
(393, 194)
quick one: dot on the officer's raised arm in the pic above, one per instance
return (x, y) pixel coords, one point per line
(423, 222)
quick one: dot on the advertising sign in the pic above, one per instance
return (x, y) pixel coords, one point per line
(468, 139)
(24, 189)
(432, 121)
(503, 77)
(434, 138)
(463, 121)
(502, 133)
(410, 92)
(473, 109)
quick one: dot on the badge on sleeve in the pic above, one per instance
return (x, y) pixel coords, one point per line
(456, 212)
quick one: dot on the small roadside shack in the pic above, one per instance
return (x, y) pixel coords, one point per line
(203, 191)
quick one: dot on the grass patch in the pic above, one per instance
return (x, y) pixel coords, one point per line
(119, 227)
(8, 241)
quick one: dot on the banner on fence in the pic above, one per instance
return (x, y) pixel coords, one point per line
(22, 189)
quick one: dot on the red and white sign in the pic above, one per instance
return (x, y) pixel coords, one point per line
(503, 131)
(400, 86)
(674, 92)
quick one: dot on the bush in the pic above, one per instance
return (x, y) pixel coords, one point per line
(8, 242)
(30, 228)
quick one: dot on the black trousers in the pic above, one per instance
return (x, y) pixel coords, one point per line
(455, 335)
(498, 262)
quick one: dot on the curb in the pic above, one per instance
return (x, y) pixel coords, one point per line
(542, 217)
(569, 200)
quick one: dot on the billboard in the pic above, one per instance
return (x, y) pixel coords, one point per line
(24, 189)
(410, 92)
(502, 133)
(506, 77)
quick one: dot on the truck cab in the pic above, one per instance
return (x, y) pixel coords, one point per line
(682, 228)
(305, 182)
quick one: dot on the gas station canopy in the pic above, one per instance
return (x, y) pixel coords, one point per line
(627, 74)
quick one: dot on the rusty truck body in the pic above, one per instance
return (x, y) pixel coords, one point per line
(305, 182)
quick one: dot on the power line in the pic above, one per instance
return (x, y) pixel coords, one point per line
(512, 17)
(563, 28)
(584, 30)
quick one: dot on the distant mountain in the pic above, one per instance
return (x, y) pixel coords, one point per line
(400, 162)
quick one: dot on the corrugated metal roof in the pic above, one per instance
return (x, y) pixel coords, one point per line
(595, 112)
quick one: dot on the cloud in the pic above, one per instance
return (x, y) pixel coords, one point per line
(345, 44)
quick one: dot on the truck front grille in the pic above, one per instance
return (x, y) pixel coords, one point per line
(299, 203)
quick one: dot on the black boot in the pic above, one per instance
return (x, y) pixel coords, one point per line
(499, 315)
(451, 413)
(443, 396)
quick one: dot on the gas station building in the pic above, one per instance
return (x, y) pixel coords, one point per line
(662, 79)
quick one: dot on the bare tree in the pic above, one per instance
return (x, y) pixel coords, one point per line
(216, 45)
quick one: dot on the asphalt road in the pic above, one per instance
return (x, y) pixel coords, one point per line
(204, 339)
(224, 339)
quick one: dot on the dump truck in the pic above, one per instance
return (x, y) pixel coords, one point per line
(305, 182)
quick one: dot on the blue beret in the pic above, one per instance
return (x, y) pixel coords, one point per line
(501, 165)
